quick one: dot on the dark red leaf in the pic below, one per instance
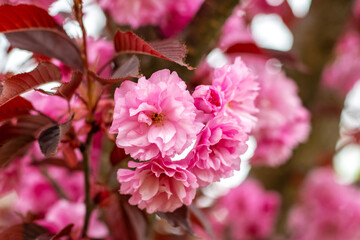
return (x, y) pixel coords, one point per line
(251, 48)
(246, 47)
(107, 80)
(15, 107)
(63, 232)
(16, 138)
(49, 139)
(69, 155)
(14, 147)
(178, 218)
(117, 155)
(24, 231)
(32, 28)
(125, 222)
(171, 50)
(58, 162)
(14, 86)
(199, 218)
(66, 90)
(25, 125)
(129, 68)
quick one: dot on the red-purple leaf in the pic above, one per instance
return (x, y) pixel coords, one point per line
(66, 90)
(18, 84)
(117, 155)
(251, 48)
(25, 125)
(24, 231)
(108, 80)
(49, 139)
(129, 68)
(13, 148)
(69, 155)
(178, 218)
(16, 107)
(32, 28)
(58, 162)
(63, 232)
(15, 138)
(201, 219)
(125, 222)
(171, 50)
(245, 47)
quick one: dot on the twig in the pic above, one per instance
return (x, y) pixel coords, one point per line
(86, 161)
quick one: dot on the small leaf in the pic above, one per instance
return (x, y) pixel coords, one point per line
(245, 47)
(63, 232)
(25, 125)
(69, 155)
(66, 90)
(178, 218)
(198, 217)
(16, 138)
(49, 139)
(96, 77)
(14, 86)
(117, 155)
(15, 107)
(14, 147)
(129, 68)
(58, 162)
(125, 222)
(169, 49)
(32, 28)
(24, 231)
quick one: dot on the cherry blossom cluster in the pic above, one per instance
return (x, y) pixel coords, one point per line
(156, 119)
(245, 212)
(52, 195)
(170, 16)
(332, 208)
(283, 122)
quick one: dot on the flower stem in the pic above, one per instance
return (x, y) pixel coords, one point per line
(86, 161)
(86, 149)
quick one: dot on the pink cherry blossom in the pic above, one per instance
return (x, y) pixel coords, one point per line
(240, 89)
(136, 13)
(326, 210)
(246, 212)
(283, 122)
(235, 30)
(179, 14)
(158, 185)
(10, 177)
(281, 8)
(40, 3)
(217, 151)
(36, 193)
(64, 212)
(54, 106)
(209, 101)
(100, 52)
(154, 116)
(342, 74)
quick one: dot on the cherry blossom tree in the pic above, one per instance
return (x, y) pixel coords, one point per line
(144, 123)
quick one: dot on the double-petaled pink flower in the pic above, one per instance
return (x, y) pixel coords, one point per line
(240, 89)
(246, 212)
(136, 13)
(327, 210)
(283, 122)
(154, 116)
(217, 151)
(158, 185)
